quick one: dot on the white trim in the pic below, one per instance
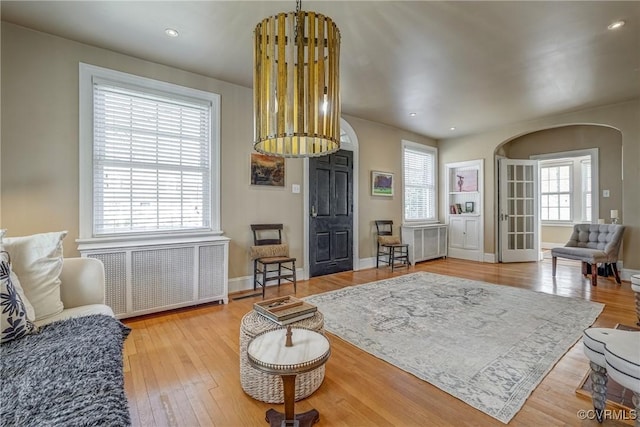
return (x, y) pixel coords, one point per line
(426, 149)
(470, 254)
(595, 181)
(87, 73)
(352, 146)
(550, 245)
(490, 258)
(122, 242)
(625, 274)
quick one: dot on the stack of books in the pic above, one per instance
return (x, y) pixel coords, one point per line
(285, 310)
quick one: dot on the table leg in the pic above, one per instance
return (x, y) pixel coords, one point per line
(289, 386)
(289, 418)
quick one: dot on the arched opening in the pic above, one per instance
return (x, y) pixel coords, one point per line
(589, 156)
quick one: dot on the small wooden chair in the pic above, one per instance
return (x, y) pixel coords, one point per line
(268, 250)
(390, 249)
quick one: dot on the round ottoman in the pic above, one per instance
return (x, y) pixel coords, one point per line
(635, 286)
(266, 387)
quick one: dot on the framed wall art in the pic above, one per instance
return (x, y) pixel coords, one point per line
(466, 180)
(469, 207)
(267, 170)
(381, 183)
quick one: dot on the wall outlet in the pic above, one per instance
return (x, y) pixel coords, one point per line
(295, 188)
(605, 193)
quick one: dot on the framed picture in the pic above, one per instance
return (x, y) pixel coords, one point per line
(466, 180)
(381, 183)
(267, 170)
(469, 207)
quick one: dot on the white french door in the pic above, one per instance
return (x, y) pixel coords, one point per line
(519, 218)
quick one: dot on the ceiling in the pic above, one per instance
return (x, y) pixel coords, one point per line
(469, 65)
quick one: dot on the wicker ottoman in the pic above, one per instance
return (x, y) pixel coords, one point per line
(266, 387)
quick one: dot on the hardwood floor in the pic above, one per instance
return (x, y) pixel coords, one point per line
(182, 367)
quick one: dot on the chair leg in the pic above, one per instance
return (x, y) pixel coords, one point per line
(279, 273)
(584, 269)
(378, 255)
(255, 274)
(594, 274)
(392, 256)
(554, 264)
(264, 279)
(614, 267)
(293, 267)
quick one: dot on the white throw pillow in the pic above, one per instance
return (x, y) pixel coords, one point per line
(37, 261)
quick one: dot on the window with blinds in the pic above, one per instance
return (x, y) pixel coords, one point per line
(149, 156)
(419, 182)
(586, 190)
(556, 189)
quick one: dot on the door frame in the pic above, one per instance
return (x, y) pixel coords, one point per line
(536, 208)
(352, 145)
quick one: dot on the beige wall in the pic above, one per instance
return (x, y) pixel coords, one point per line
(380, 150)
(39, 167)
(557, 235)
(625, 117)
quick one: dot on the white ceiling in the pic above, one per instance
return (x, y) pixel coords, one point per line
(473, 65)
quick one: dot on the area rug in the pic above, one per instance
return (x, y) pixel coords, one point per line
(488, 345)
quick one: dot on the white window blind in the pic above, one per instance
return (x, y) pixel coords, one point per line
(151, 161)
(419, 168)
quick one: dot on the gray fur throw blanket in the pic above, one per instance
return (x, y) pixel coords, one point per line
(68, 374)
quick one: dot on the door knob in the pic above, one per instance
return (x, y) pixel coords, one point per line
(313, 211)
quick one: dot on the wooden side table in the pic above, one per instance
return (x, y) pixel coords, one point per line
(288, 352)
(268, 388)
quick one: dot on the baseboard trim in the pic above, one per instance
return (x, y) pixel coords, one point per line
(490, 258)
(550, 245)
(626, 273)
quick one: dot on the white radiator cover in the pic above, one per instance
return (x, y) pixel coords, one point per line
(144, 278)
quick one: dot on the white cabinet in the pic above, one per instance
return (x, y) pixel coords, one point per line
(425, 241)
(464, 237)
(465, 209)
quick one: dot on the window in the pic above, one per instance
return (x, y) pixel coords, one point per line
(565, 189)
(419, 181)
(149, 152)
(586, 190)
(555, 189)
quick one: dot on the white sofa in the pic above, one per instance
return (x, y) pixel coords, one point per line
(81, 290)
(69, 373)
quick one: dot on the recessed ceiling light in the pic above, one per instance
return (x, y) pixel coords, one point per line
(452, 128)
(171, 32)
(615, 25)
(413, 114)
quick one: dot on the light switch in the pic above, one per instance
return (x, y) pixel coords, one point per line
(295, 188)
(605, 193)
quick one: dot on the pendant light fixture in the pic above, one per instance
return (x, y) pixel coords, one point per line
(296, 85)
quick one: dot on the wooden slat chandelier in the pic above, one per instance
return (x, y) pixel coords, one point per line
(296, 85)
